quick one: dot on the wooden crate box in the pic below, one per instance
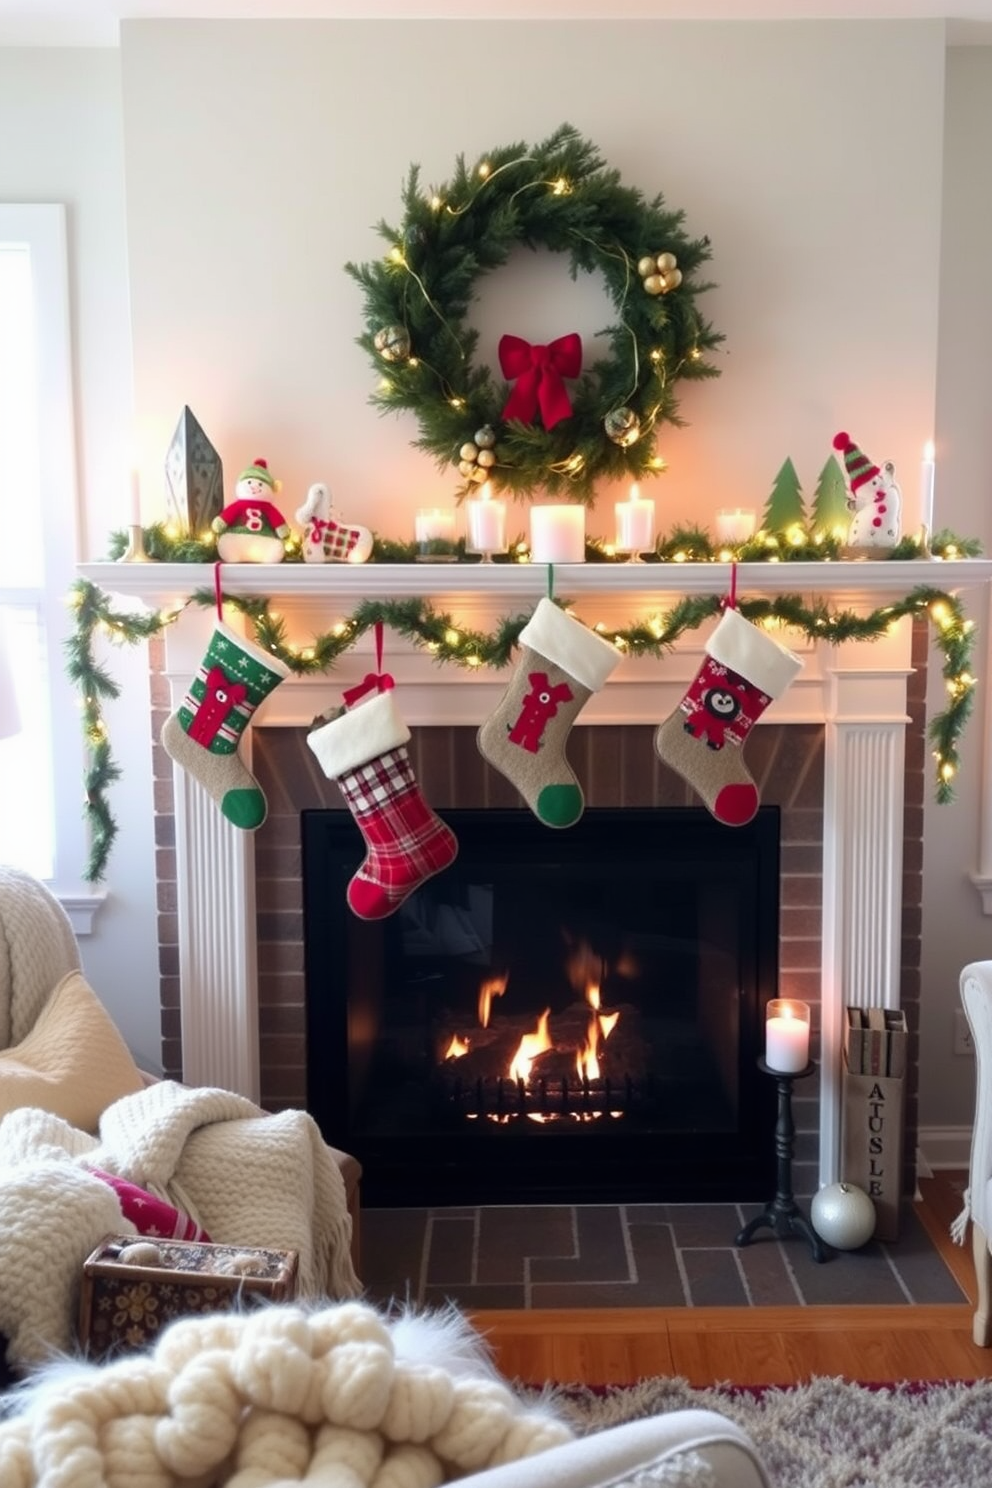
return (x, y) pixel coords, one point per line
(124, 1305)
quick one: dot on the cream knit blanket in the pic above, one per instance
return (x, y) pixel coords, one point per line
(274, 1398)
(248, 1178)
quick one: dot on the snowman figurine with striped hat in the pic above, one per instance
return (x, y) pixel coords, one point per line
(251, 528)
(875, 499)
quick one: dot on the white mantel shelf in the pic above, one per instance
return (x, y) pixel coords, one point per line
(168, 583)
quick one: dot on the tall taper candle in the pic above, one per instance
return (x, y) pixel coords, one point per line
(927, 470)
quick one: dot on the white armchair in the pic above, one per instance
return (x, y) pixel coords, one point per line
(976, 995)
(686, 1449)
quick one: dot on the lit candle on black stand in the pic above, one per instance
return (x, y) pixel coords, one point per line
(787, 1036)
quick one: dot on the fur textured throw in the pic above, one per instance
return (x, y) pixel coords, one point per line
(279, 1397)
(246, 1177)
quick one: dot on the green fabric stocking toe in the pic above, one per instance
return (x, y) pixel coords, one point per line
(204, 732)
(561, 665)
(559, 805)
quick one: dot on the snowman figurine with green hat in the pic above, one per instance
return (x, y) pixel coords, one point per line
(251, 528)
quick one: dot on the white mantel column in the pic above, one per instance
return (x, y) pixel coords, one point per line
(216, 906)
(864, 785)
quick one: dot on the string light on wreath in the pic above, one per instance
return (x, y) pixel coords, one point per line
(559, 195)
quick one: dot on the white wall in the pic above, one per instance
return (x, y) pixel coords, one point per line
(61, 134)
(954, 929)
(819, 186)
(820, 194)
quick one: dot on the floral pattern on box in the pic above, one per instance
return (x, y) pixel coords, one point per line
(125, 1306)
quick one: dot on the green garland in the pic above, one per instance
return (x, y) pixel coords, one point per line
(448, 641)
(682, 545)
(558, 195)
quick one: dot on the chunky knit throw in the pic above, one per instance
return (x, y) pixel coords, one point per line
(245, 1177)
(337, 1398)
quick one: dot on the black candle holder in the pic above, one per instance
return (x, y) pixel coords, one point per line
(782, 1215)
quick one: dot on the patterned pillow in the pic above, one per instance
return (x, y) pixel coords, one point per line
(149, 1215)
(73, 1063)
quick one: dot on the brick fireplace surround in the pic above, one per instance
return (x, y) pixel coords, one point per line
(843, 753)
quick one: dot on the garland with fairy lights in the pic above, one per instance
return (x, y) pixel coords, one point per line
(558, 195)
(684, 544)
(448, 641)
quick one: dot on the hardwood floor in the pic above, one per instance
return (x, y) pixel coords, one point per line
(754, 1346)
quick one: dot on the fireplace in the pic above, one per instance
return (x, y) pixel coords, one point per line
(558, 1017)
(836, 754)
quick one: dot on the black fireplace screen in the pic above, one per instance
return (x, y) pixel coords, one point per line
(561, 1016)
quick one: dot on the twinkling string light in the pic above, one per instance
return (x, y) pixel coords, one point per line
(448, 641)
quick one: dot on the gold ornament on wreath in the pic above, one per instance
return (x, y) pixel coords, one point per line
(559, 195)
(477, 456)
(393, 343)
(660, 274)
(622, 426)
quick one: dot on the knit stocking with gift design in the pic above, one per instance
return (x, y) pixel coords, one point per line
(364, 750)
(562, 663)
(743, 671)
(204, 732)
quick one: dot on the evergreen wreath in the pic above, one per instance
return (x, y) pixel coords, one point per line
(558, 195)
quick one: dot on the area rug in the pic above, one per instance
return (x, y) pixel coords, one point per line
(828, 1433)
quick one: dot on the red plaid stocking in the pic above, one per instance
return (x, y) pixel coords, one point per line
(364, 750)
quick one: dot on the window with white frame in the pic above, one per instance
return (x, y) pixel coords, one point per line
(41, 822)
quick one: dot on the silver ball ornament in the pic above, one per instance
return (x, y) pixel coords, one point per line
(392, 343)
(623, 426)
(843, 1215)
(485, 437)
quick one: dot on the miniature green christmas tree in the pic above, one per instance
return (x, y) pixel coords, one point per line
(830, 511)
(785, 504)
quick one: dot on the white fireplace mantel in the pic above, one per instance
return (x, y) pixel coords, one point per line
(858, 691)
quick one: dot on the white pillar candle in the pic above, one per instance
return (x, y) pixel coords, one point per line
(926, 488)
(557, 534)
(635, 523)
(787, 1036)
(735, 525)
(487, 524)
(433, 522)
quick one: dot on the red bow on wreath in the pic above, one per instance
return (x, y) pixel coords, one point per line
(539, 371)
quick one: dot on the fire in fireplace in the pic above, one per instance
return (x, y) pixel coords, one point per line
(558, 1017)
